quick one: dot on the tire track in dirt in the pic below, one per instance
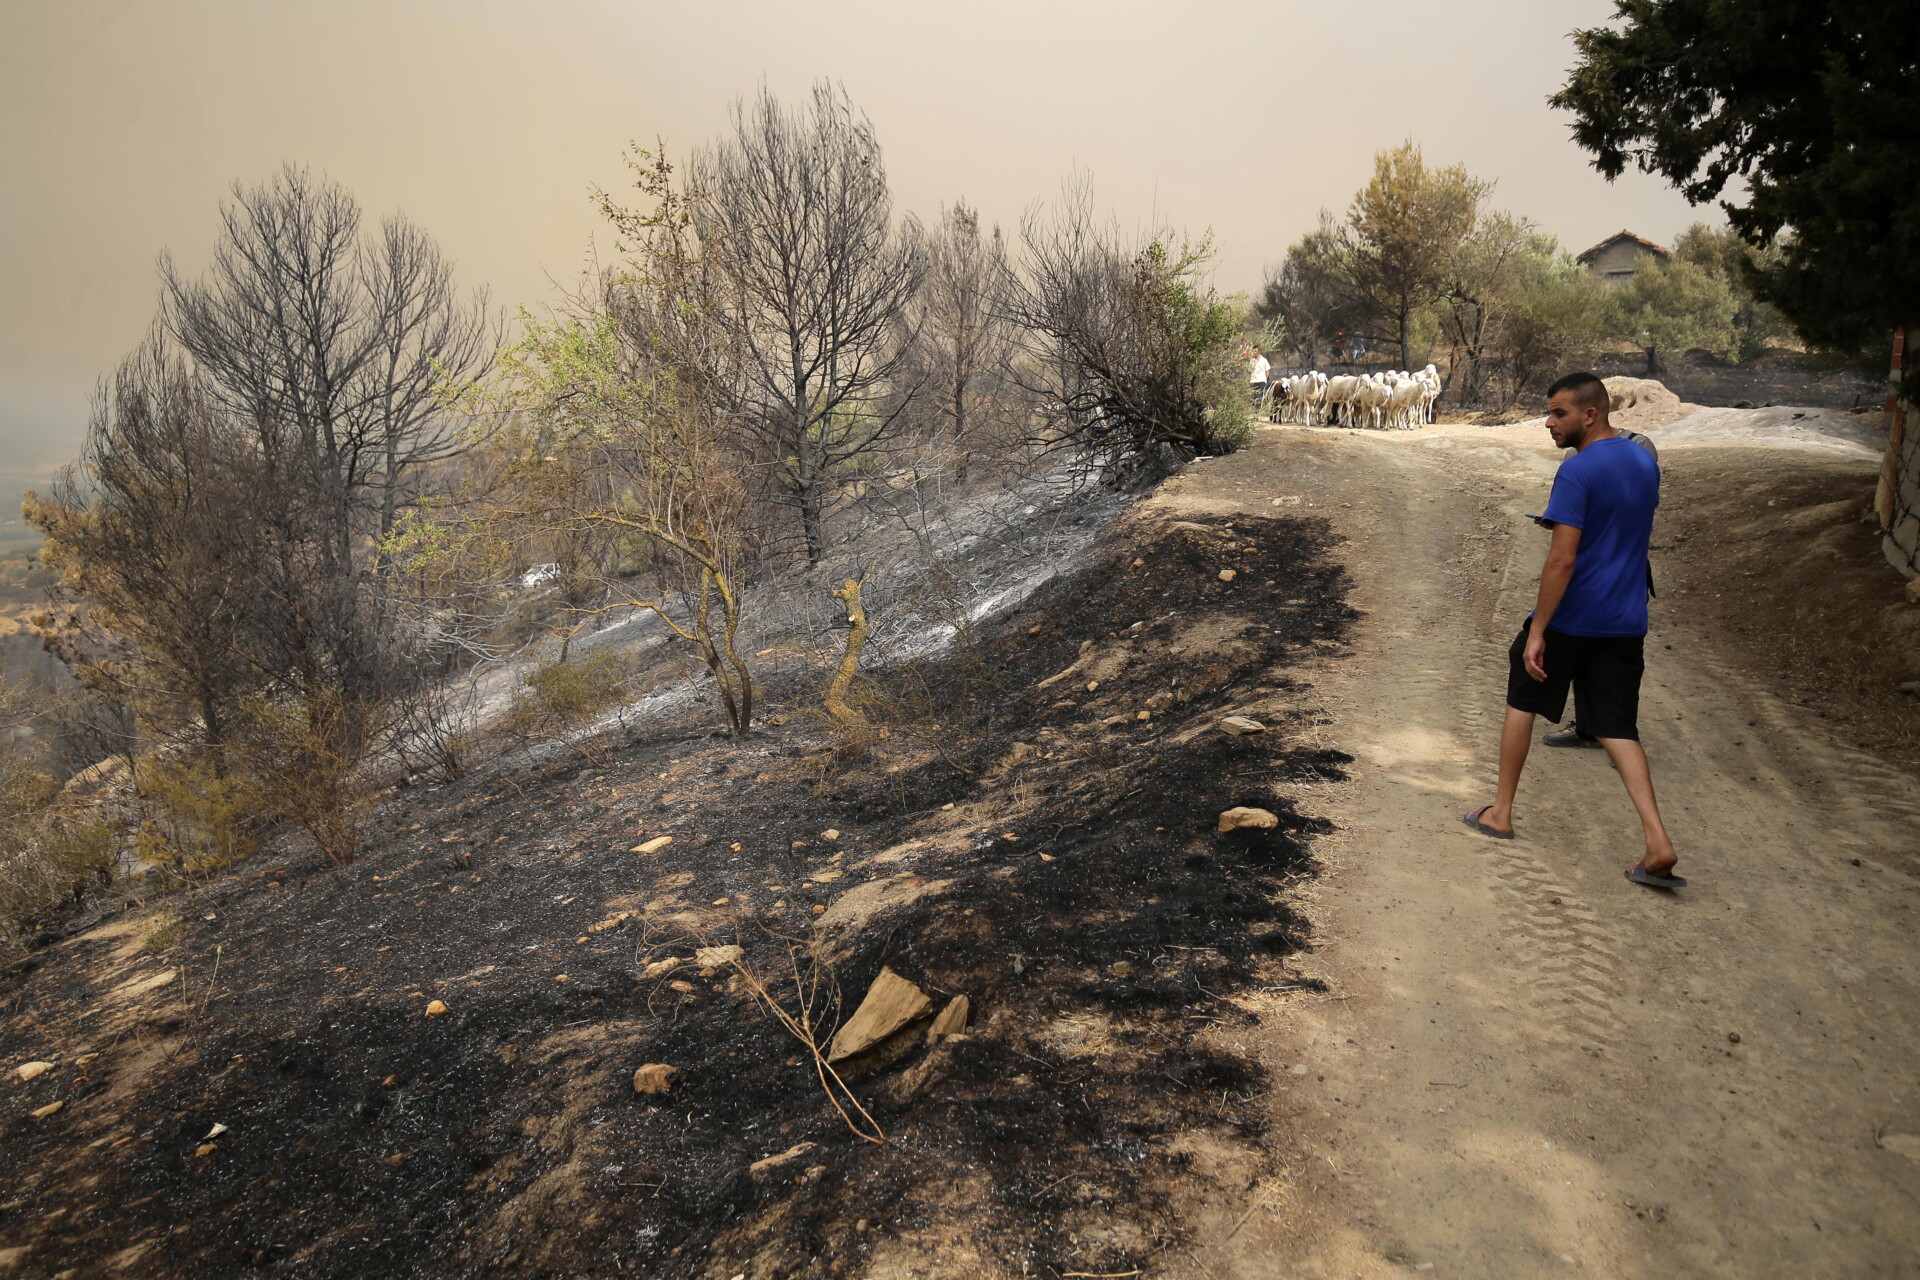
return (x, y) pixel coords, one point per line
(1497, 1006)
(1562, 943)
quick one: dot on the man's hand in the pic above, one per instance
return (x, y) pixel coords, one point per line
(1536, 655)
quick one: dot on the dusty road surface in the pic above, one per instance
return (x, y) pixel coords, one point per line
(1529, 1066)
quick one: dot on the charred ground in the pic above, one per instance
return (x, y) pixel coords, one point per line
(1055, 861)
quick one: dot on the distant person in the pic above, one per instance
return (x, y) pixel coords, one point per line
(1589, 622)
(1258, 367)
(1573, 735)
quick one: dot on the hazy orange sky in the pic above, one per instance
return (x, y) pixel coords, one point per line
(122, 122)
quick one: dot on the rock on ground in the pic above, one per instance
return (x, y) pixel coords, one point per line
(890, 1004)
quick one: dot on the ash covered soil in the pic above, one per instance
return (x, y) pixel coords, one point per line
(1053, 858)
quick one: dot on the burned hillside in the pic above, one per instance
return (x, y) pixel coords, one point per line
(270, 1094)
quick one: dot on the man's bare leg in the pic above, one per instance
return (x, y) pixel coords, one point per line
(1516, 737)
(1631, 760)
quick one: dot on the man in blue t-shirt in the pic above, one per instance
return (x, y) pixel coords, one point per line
(1590, 621)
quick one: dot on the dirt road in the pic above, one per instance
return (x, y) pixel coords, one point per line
(1532, 1067)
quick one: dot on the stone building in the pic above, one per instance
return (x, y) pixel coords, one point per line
(1614, 258)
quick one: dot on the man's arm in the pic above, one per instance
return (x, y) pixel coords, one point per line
(1554, 576)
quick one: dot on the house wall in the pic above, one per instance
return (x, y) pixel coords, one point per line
(1615, 263)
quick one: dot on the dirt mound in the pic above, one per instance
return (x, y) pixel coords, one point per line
(1780, 426)
(1641, 403)
(1055, 861)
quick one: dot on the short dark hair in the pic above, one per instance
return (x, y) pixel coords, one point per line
(1588, 391)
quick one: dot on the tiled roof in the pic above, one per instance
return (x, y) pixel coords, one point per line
(1617, 237)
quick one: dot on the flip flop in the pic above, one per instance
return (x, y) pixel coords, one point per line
(1472, 819)
(1640, 875)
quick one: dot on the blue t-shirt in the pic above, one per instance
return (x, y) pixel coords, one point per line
(1608, 491)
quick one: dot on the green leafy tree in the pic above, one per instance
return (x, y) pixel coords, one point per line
(1486, 280)
(1676, 306)
(1797, 118)
(1564, 314)
(1404, 229)
(1757, 323)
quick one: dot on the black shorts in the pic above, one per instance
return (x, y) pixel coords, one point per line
(1607, 669)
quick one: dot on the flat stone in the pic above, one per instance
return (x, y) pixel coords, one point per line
(717, 957)
(655, 1077)
(28, 1070)
(1242, 725)
(1241, 817)
(761, 1169)
(890, 1004)
(950, 1020)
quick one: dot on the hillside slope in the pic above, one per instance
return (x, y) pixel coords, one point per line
(1052, 857)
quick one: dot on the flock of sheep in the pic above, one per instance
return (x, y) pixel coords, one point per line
(1393, 399)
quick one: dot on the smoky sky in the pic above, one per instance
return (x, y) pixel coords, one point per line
(123, 122)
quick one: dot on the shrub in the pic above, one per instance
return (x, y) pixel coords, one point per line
(195, 818)
(563, 698)
(52, 858)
